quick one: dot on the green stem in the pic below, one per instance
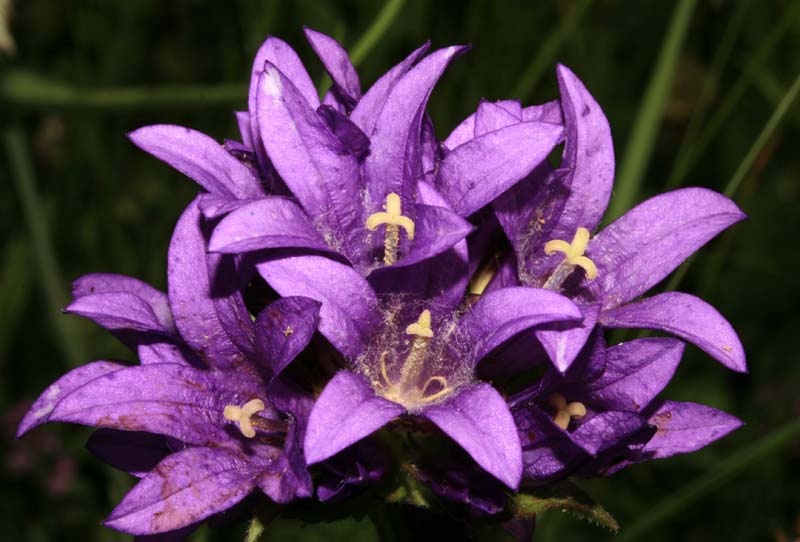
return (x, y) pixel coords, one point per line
(254, 530)
(46, 262)
(643, 135)
(701, 486)
(19, 89)
(376, 30)
(549, 48)
(744, 167)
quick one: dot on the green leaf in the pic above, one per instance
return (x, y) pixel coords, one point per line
(565, 497)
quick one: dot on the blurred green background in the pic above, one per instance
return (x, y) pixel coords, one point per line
(697, 93)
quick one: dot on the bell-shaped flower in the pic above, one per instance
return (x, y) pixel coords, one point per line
(205, 418)
(549, 218)
(601, 409)
(413, 356)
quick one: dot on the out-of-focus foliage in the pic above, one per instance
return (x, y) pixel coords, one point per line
(102, 205)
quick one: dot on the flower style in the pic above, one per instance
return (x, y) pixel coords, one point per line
(208, 382)
(548, 219)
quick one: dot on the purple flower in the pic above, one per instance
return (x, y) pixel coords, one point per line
(549, 217)
(603, 409)
(352, 164)
(414, 356)
(208, 383)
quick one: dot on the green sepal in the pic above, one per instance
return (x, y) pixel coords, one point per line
(566, 497)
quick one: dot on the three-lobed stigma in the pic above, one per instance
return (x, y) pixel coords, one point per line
(242, 415)
(566, 411)
(392, 217)
(573, 252)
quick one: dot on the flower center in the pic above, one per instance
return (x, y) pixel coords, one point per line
(243, 415)
(393, 219)
(407, 390)
(573, 257)
(565, 411)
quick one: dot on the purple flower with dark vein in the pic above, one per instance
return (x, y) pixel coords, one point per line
(602, 409)
(549, 216)
(413, 356)
(205, 419)
(352, 164)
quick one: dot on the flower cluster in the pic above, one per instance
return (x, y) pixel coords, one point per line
(342, 233)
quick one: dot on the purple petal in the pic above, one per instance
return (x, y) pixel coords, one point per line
(245, 130)
(184, 488)
(518, 208)
(117, 311)
(333, 102)
(167, 399)
(475, 173)
(190, 293)
(272, 222)
(501, 314)
(636, 372)
(588, 156)
(284, 328)
(574, 196)
(467, 129)
(42, 408)
(168, 351)
(605, 430)
(490, 117)
(395, 163)
(350, 135)
(337, 64)
(478, 419)
(311, 160)
(348, 315)
(643, 246)
(105, 283)
(365, 114)
(461, 133)
(200, 158)
(689, 318)
(346, 411)
(130, 451)
(214, 206)
(564, 341)
(281, 55)
(546, 112)
(687, 427)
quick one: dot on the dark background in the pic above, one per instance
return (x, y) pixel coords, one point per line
(76, 196)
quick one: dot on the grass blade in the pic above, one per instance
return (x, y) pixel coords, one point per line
(549, 49)
(686, 161)
(645, 129)
(46, 262)
(746, 164)
(376, 30)
(714, 478)
(718, 64)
